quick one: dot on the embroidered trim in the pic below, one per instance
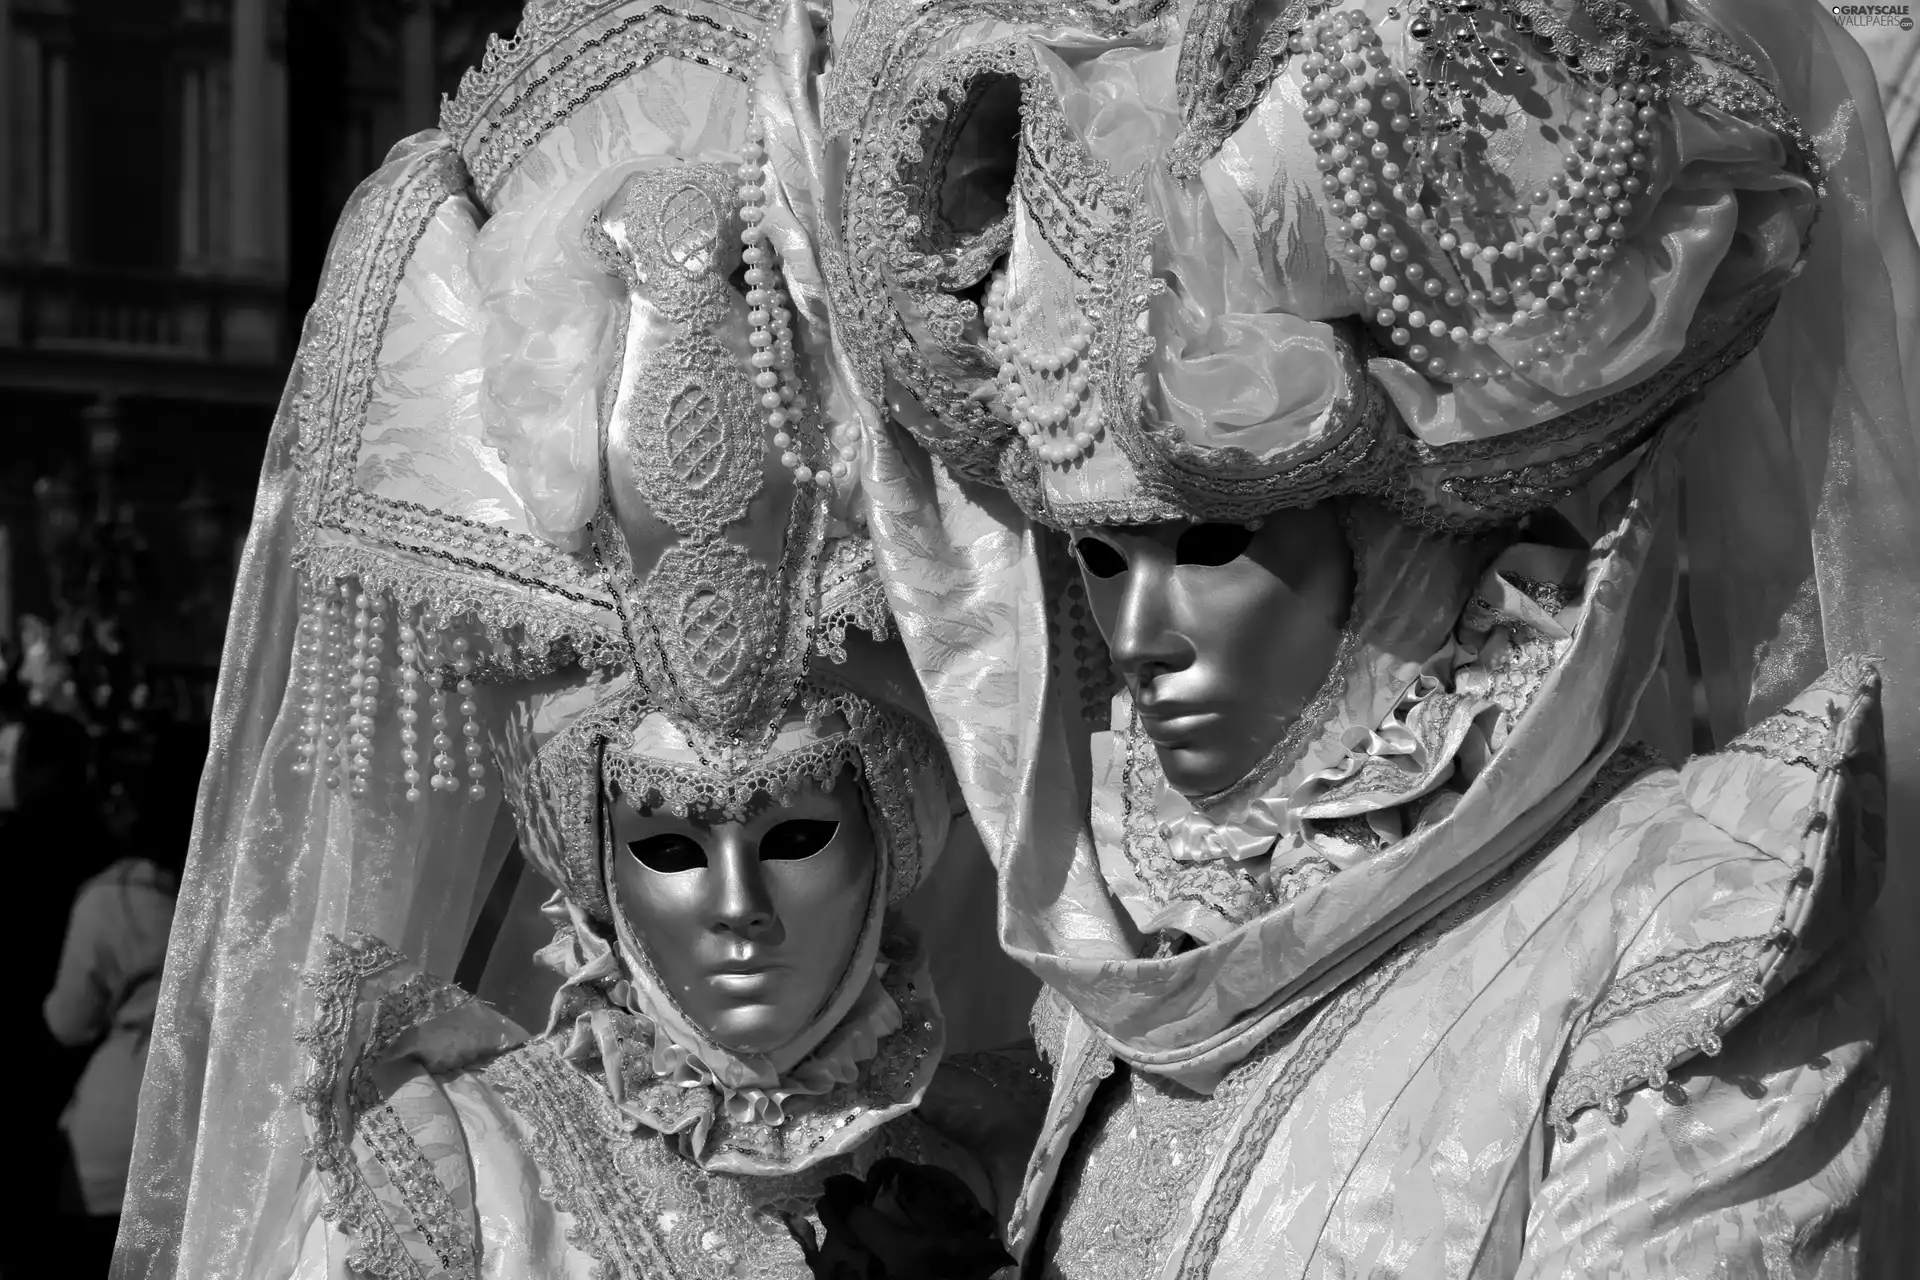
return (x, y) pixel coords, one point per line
(1694, 969)
(443, 1228)
(573, 1137)
(338, 1093)
(511, 100)
(1221, 79)
(1315, 1046)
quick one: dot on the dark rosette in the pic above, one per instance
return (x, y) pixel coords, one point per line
(905, 1221)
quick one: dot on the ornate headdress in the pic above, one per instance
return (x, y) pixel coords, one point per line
(1460, 256)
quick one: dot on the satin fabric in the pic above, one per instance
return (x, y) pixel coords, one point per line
(1420, 1145)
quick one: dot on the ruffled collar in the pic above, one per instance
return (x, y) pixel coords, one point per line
(737, 1113)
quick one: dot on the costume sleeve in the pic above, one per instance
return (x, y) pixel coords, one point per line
(78, 1007)
(1760, 1160)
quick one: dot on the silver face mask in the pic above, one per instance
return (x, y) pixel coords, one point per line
(750, 924)
(1222, 633)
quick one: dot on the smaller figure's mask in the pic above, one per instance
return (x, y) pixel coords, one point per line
(1223, 633)
(750, 922)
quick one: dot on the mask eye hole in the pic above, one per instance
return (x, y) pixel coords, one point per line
(797, 838)
(668, 854)
(1102, 559)
(1212, 544)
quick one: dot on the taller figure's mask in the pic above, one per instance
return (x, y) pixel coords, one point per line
(1223, 633)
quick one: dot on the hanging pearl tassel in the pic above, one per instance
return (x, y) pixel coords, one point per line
(307, 659)
(409, 655)
(332, 647)
(469, 725)
(443, 779)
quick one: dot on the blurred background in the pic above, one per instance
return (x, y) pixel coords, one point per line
(170, 173)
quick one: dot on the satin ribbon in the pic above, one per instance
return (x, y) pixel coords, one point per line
(1193, 837)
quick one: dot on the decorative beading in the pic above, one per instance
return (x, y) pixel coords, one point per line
(339, 684)
(1495, 290)
(1445, 291)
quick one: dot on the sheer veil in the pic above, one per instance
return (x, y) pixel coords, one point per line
(1802, 486)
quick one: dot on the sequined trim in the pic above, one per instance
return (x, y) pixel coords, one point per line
(443, 1228)
(1792, 737)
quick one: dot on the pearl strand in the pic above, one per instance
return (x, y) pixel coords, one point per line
(1022, 383)
(1345, 65)
(469, 724)
(307, 676)
(442, 779)
(409, 653)
(332, 644)
(770, 329)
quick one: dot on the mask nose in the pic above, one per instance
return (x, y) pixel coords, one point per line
(1145, 637)
(741, 903)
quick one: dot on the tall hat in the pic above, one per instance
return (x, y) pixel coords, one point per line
(1459, 256)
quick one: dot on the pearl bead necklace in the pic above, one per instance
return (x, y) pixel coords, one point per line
(1036, 407)
(1555, 269)
(770, 321)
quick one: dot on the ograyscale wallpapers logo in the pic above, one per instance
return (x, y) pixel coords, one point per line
(1875, 15)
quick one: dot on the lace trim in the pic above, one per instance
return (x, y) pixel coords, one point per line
(852, 598)
(1694, 969)
(1221, 80)
(524, 88)
(898, 758)
(338, 1095)
(877, 252)
(1048, 1024)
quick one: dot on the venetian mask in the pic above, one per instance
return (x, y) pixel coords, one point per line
(1222, 632)
(750, 923)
